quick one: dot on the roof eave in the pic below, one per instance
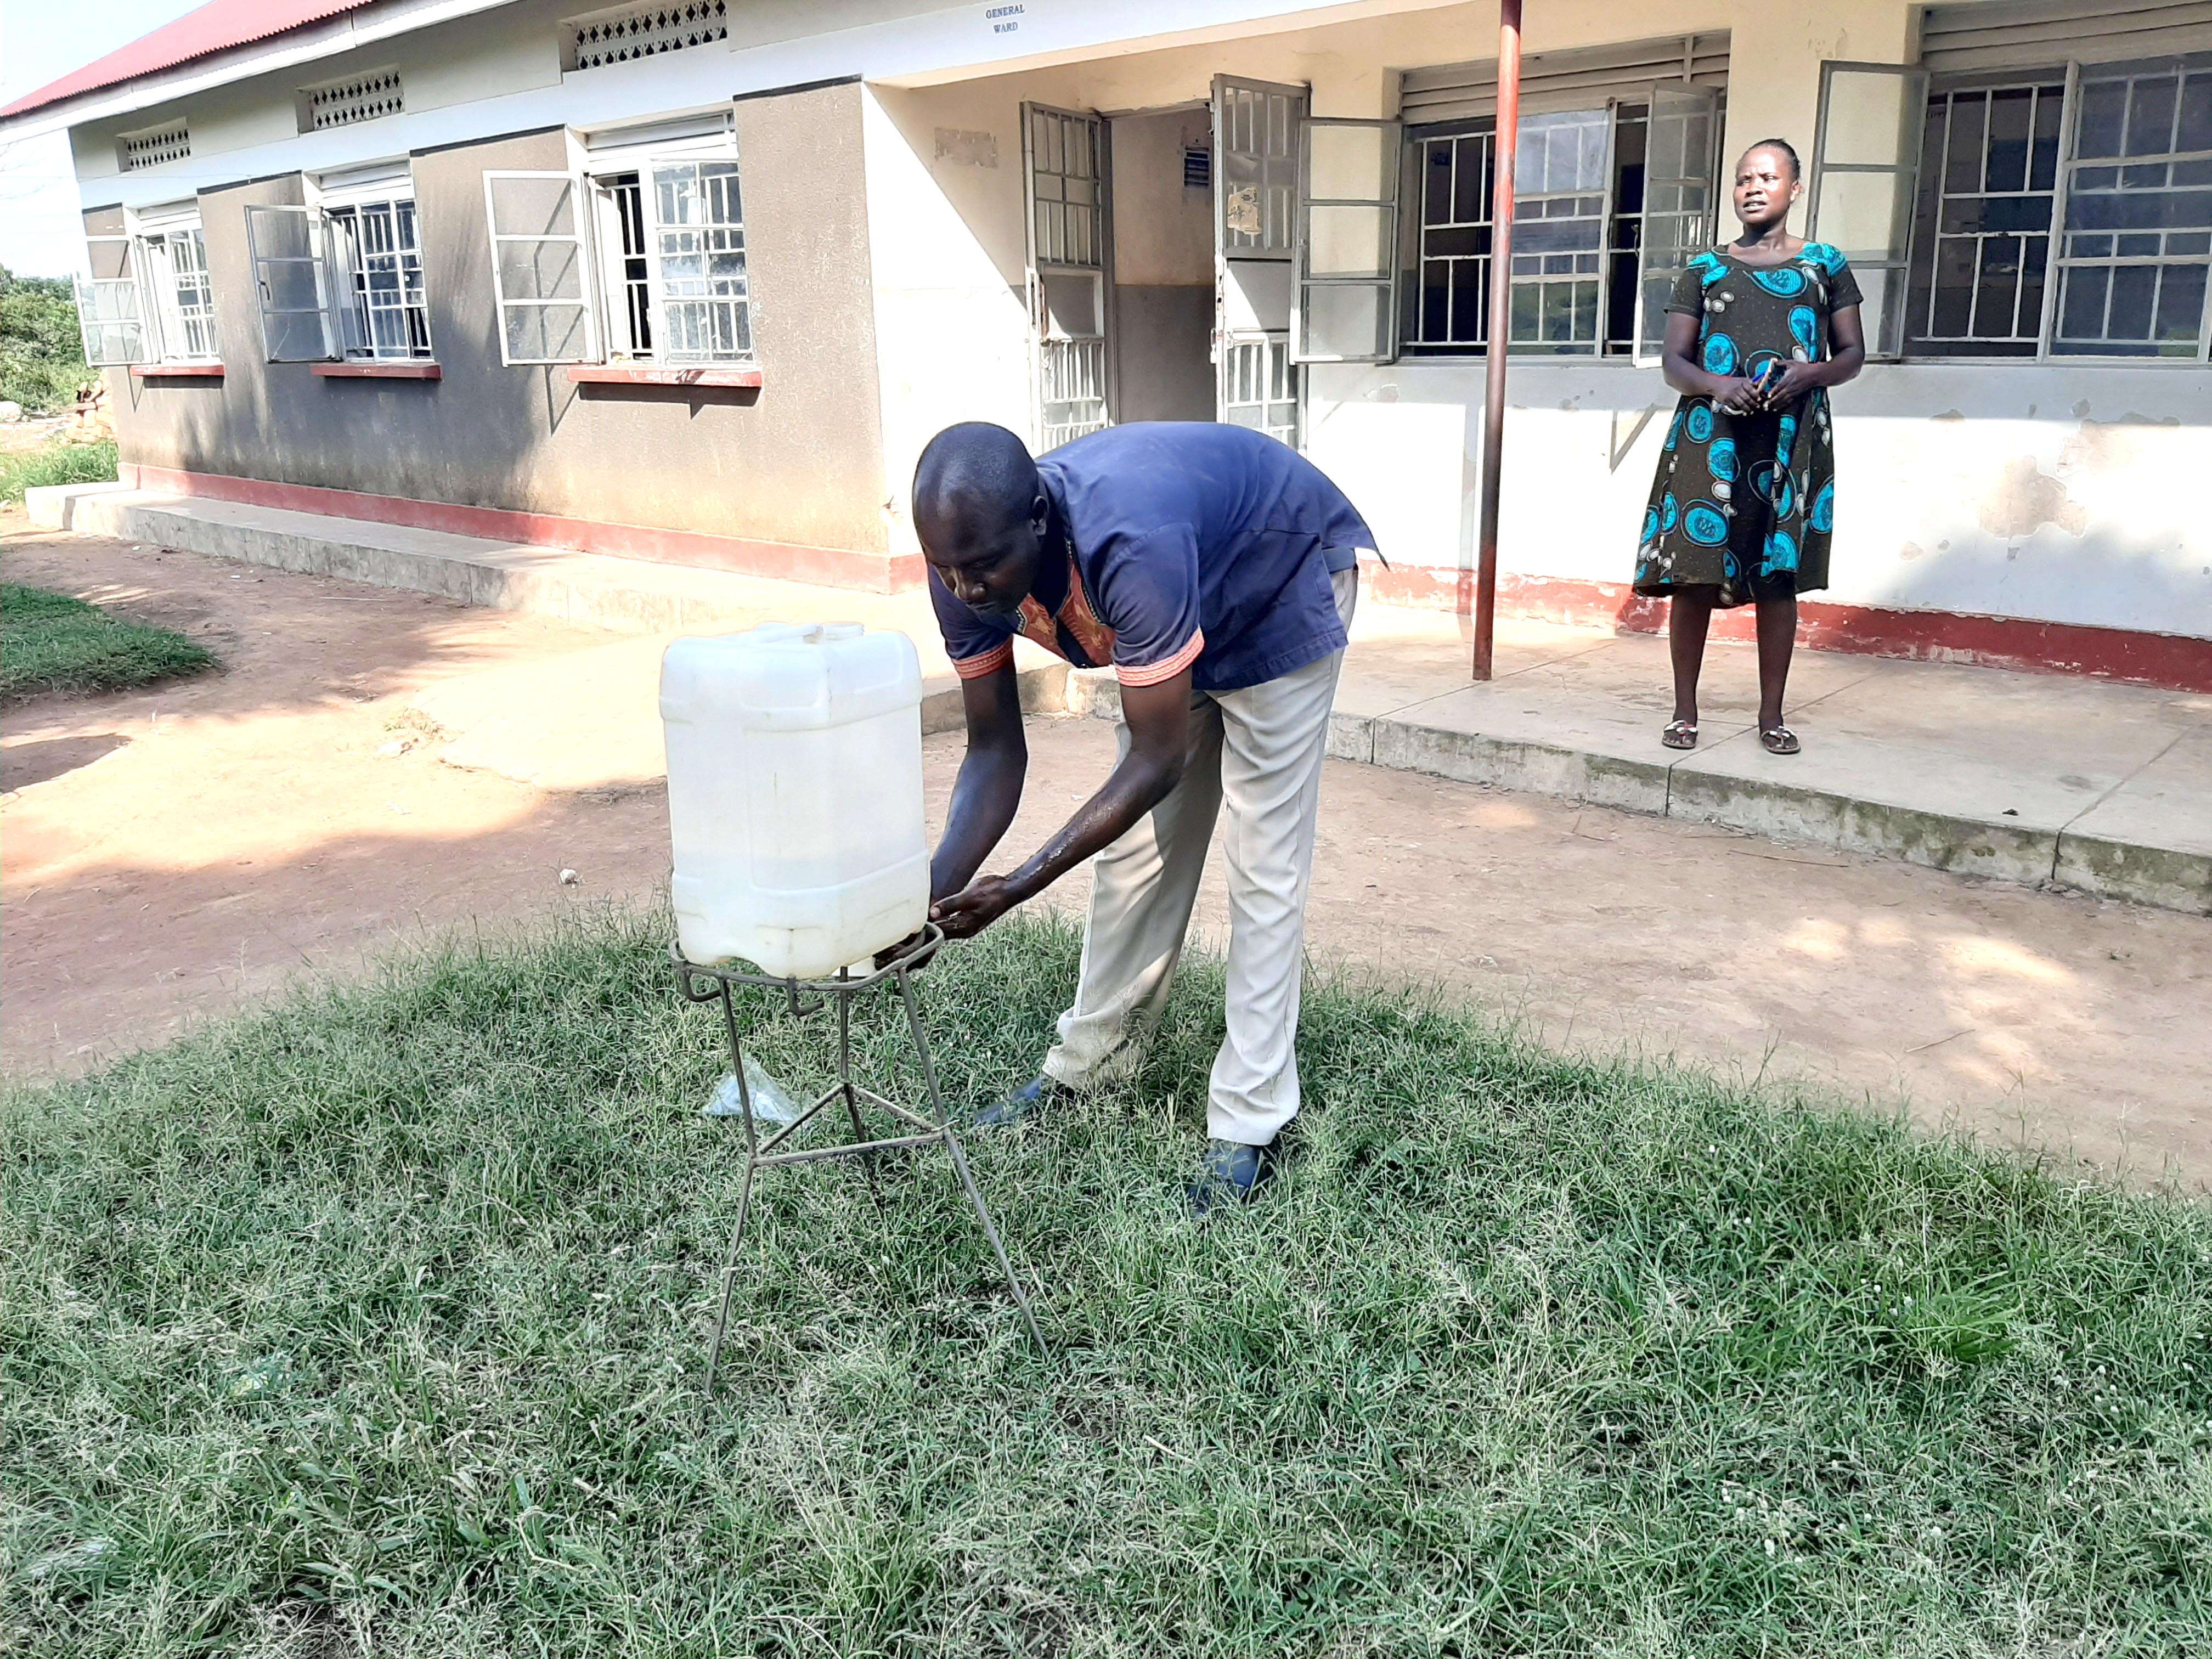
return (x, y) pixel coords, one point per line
(324, 38)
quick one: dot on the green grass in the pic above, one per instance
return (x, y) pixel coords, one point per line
(51, 642)
(58, 462)
(376, 1324)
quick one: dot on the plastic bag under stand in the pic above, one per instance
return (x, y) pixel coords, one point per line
(772, 1102)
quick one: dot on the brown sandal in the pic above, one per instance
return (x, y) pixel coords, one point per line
(1780, 740)
(1680, 734)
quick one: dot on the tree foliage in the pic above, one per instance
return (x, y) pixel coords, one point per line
(41, 354)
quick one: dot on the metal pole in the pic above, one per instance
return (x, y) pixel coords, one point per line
(1501, 326)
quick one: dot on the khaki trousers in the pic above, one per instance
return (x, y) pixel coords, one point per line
(1260, 749)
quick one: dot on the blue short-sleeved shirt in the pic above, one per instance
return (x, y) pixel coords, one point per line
(1175, 545)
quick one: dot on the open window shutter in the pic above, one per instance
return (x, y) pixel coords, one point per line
(696, 247)
(540, 272)
(1678, 201)
(111, 304)
(1347, 242)
(293, 283)
(1866, 171)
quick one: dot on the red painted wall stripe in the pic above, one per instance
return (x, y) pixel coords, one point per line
(827, 566)
(2176, 662)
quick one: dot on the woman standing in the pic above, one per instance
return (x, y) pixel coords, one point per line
(1746, 496)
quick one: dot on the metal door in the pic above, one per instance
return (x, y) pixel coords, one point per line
(1255, 196)
(1063, 164)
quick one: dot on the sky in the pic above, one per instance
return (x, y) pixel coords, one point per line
(41, 40)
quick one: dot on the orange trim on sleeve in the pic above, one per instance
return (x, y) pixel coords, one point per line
(990, 662)
(1156, 673)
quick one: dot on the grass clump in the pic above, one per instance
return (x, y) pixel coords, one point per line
(51, 642)
(375, 1325)
(58, 462)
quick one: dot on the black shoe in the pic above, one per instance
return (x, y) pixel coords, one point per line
(1231, 1172)
(1025, 1103)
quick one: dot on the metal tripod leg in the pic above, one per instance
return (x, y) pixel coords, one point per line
(852, 1101)
(745, 1190)
(937, 1129)
(960, 1158)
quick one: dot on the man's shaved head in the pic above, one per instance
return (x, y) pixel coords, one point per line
(980, 513)
(974, 470)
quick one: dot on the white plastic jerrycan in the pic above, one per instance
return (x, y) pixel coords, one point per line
(794, 796)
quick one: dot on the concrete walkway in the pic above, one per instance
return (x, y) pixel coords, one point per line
(2043, 780)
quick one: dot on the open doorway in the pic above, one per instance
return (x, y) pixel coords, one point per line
(1163, 233)
(1164, 259)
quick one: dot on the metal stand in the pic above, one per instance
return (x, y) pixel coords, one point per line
(807, 997)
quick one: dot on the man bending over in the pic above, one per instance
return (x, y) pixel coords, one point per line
(1216, 570)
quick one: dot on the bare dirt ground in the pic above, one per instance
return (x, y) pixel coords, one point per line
(190, 849)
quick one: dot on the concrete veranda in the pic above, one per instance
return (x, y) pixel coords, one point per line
(2087, 785)
(183, 851)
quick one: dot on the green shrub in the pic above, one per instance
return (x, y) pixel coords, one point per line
(41, 354)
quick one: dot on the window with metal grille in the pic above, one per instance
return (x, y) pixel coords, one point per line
(150, 150)
(1982, 235)
(1064, 152)
(344, 103)
(629, 279)
(2138, 229)
(2065, 212)
(184, 296)
(376, 246)
(646, 31)
(668, 282)
(1579, 228)
(698, 234)
(1258, 389)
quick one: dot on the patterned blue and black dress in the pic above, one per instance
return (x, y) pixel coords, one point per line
(1746, 503)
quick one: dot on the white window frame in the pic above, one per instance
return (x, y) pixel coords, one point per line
(605, 255)
(2071, 166)
(1893, 260)
(1643, 350)
(174, 323)
(112, 316)
(279, 325)
(665, 304)
(1932, 191)
(1313, 286)
(512, 309)
(356, 268)
(615, 281)
(340, 278)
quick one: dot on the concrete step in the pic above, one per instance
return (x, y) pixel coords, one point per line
(633, 595)
(2044, 779)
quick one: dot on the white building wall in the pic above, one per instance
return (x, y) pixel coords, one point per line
(2065, 494)
(945, 179)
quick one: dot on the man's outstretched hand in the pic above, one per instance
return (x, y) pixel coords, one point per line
(967, 913)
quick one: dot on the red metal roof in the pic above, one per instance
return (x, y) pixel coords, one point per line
(215, 26)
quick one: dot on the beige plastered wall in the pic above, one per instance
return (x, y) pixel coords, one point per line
(800, 462)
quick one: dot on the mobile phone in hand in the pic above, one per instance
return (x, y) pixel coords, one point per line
(1769, 378)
